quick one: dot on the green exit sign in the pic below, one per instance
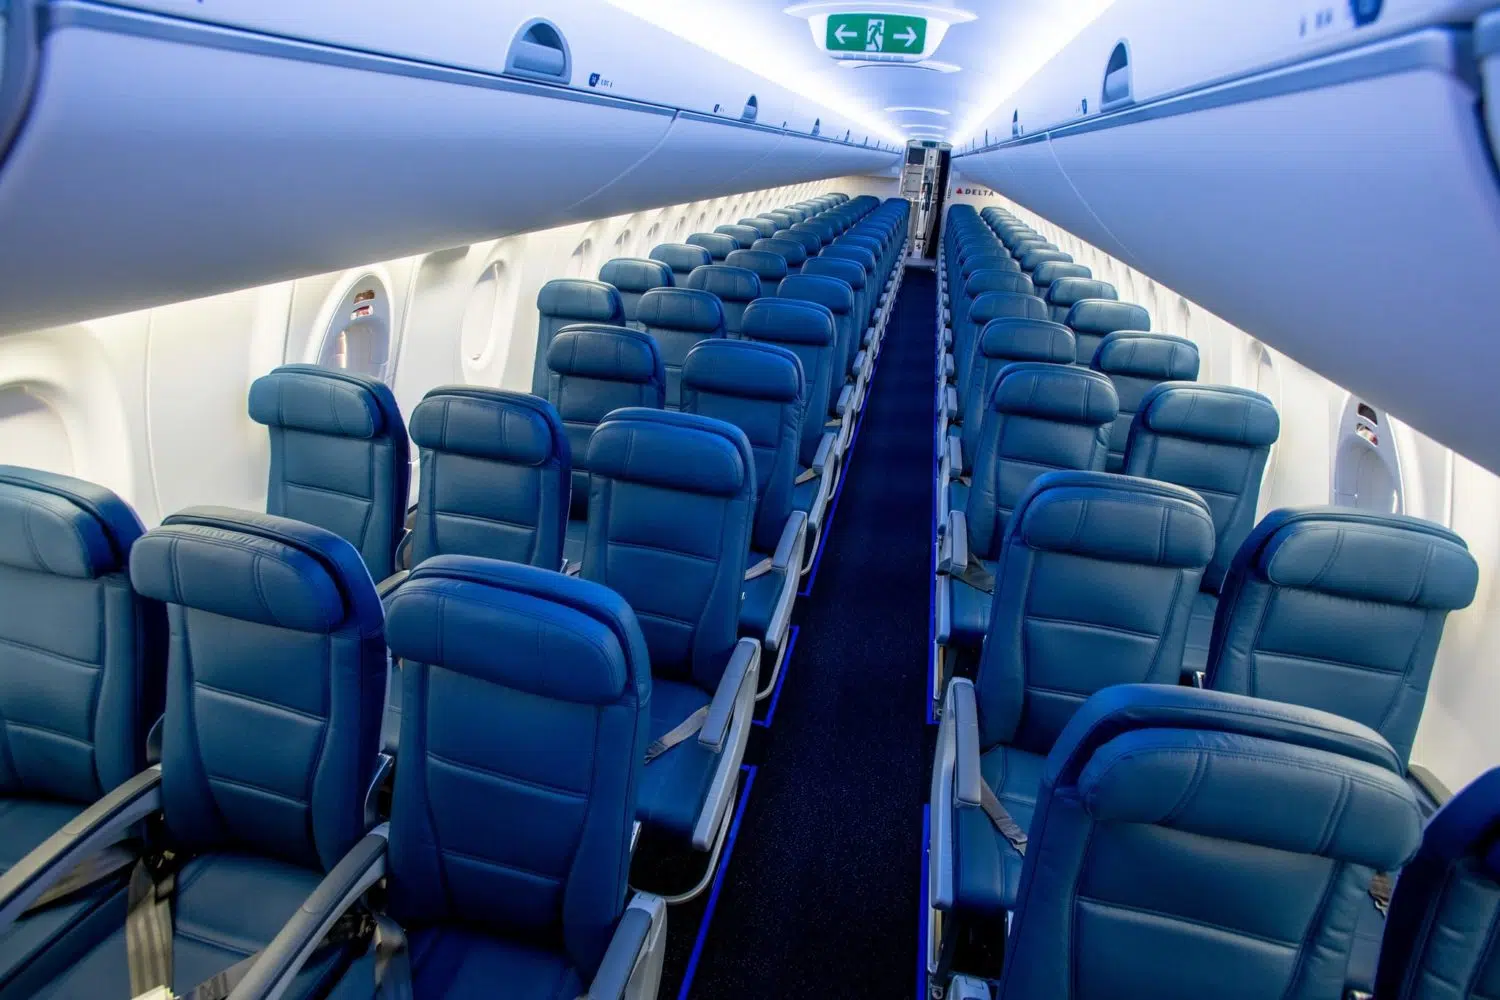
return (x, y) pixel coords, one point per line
(887, 33)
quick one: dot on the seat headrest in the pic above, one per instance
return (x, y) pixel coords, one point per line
(1328, 805)
(581, 299)
(1032, 259)
(682, 309)
(834, 293)
(1157, 356)
(63, 526)
(767, 266)
(1101, 316)
(997, 280)
(794, 252)
(737, 284)
(859, 255)
(988, 259)
(993, 305)
(1054, 270)
(809, 242)
(1066, 291)
(256, 567)
(514, 427)
(845, 270)
(1391, 558)
(320, 400)
(744, 368)
(617, 353)
(718, 245)
(635, 274)
(788, 321)
(1054, 392)
(1220, 413)
(1011, 338)
(681, 256)
(743, 235)
(526, 628)
(678, 451)
(761, 224)
(1119, 518)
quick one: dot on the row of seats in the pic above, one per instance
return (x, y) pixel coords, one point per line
(1071, 597)
(271, 647)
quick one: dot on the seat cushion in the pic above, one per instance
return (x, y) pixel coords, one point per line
(227, 907)
(1200, 631)
(970, 610)
(804, 495)
(758, 599)
(578, 529)
(457, 964)
(674, 785)
(988, 868)
(958, 495)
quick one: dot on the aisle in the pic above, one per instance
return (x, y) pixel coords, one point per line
(820, 897)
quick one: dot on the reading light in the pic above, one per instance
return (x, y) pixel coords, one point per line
(915, 110)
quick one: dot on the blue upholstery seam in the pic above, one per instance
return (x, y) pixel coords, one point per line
(1294, 980)
(1174, 608)
(1335, 817)
(1328, 563)
(1200, 769)
(43, 651)
(1095, 627)
(178, 931)
(1365, 668)
(10, 724)
(524, 873)
(318, 761)
(325, 491)
(1180, 919)
(273, 706)
(479, 519)
(31, 505)
(246, 786)
(619, 543)
(507, 779)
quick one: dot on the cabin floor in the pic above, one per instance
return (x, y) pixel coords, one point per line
(819, 892)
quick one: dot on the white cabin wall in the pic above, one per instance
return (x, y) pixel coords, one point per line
(1458, 739)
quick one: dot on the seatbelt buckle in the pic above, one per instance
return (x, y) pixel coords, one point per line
(159, 993)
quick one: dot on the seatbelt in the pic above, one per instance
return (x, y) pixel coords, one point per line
(1002, 820)
(759, 569)
(392, 961)
(148, 922)
(1381, 887)
(91, 871)
(805, 476)
(976, 576)
(572, 568)
(677, 734)
(354, 925)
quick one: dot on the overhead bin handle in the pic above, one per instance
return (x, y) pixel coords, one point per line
(540, 52)
(1117, 87)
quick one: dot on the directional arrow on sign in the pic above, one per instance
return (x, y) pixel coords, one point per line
(843, 34)
(909, 36)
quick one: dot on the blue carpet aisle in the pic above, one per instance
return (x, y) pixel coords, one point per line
(820, 896)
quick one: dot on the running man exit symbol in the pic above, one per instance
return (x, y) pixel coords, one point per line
(886, 33)
(875, 34)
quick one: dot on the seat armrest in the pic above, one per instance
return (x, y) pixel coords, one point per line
(860, 361)
(106, 822)
(789, 547)
(742, 664)
(950, 404)
(953, 552)
(282, 959)
(385, 588)
(631, 968)
(846, 398)
(948, 366)
(824, 453)
(967, 775)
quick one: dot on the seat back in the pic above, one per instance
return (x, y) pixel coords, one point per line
(852, 274)
(1340, 610)
(1444, 917)
(983, 308)
(339, 456)
(564, 302)
(1064, 292)
(758, 388)
(526, 717)
(84, 658)
(632, 278)
(809, 242)
(681, 258)
(1094, 587)
(735, 288)
(1213, 439)
(718, 245)
(496, 475)
(1189, 844)
(275, 683)
(763, 226)
(1025, 246)
(670, 518)
(769, 267)
(1031, 259)
(743, 236)
(806, 329)
(679, 319)
(1136, 362)
(794, 252)
(838, 297)
(1006, 341)
(1040, 418)
(779, 219)
(1091, 320)
(1046, 274)
(594, 370)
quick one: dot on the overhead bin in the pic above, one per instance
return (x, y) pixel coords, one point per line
(1289, 201)
(162, 159)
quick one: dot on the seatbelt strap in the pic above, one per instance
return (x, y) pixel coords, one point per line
(1002, 820)
(805, 476)
(91, 871)
(354, 925)
(1381, 887)
(759, 569)
(148, 922)
(976, 576)
(572, 568)
(392, 961)
(677, 734)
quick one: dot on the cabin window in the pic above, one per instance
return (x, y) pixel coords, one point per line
(485, 317)
(358, 338)
(32, 432)
(578, 263)
(1366, 466)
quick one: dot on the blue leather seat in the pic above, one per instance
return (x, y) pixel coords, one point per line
(632, 278)
(794, 252)
(82, 674)
(987, 306)
(1445, 912)
(1136, 362)
(778, 218)
(1041, 417)
(1025, 246)
(1215, 440)
(718, 245)
(809, 242)
(1092, 320)
(593, 371)
(1032, 259)
(1192, 844)
(339, 456)
(516, 786)
(974, 284)
(763, 226)
(735, 288)
(743, 236)
(853, 275)
(275, 691)
(769, 267)
(670, 522)
(495, 477)
(1063, 293)
(1340, 610)
(564, 302)
(1046, 274)
(868, 264)
(821, 231)
(679, 319)
(838, 298)
(681, 258)
(760, 389)
(1093, 588)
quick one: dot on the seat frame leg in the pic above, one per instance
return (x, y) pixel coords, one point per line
(775, 673)
(713, 860)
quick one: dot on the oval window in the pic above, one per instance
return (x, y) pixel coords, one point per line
(358, 338)
(32, 433)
